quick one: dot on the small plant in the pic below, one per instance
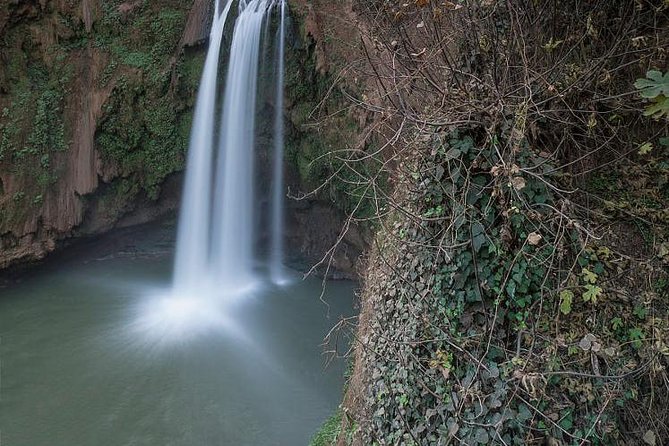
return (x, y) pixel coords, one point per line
(566, 299)
(656, 88)
(329, 432)
(18, 197)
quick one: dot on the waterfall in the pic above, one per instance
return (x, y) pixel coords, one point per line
(215, 246)
(193, 234)
(232, 250)
(276, 253)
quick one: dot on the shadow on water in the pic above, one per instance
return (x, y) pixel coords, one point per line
(94, 352)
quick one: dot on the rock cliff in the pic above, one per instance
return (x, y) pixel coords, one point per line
(95, 101)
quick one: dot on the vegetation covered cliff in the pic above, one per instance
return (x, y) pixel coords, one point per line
(517, 288)
(95, 102)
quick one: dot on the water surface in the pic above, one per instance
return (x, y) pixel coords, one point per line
(89, 357)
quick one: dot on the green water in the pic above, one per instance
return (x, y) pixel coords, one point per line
(80, 366)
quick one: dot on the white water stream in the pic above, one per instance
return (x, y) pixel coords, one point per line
(277, 272)
(216, 239)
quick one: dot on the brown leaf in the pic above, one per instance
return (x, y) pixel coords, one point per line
(649, 438)
(534, 238)
(518, 183)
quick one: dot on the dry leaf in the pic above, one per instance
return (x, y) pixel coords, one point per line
(518, 183)
(587, 341)
(649, 438)
(534, 238)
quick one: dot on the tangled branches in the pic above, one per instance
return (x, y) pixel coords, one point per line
(516, 291)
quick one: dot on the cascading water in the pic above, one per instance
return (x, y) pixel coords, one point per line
(277, 273)
(193, 236)
(232, 250)
(215, 246)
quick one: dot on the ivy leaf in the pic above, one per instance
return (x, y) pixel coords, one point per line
(524, 413)
(482, 436)
(440, 173)
(654, 85)
(645, 148)
(511, 289)
(592, 293)
(649, 438)
(588, 276)
(567, 422)
(478, 236)
(640, 311)
(566, 299)
(453, 154)
(636, 334)
(659, 108)
(656, 88)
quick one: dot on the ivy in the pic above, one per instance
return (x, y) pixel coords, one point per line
(655, 87)
(495, 258)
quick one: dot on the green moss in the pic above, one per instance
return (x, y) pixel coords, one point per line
(32, 127)
(190, 70)
(9, 133)
(113, 200)
(320, 147)
(48, 130)
(108, 73)
(145, 136)
(166, 28)
(145, 125)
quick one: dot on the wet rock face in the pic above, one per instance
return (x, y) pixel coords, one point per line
(95, 103)
(199, 23)
(318, 239)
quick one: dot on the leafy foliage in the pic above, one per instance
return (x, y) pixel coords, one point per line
(500, 304)
(144, 129)
(656, 88)
(322, 143)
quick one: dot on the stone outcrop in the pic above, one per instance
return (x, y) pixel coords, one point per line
(62, 64)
